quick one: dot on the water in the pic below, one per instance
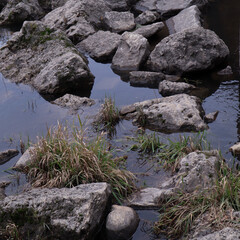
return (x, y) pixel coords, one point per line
(24, 114)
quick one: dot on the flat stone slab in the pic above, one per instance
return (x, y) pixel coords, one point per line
(145, 79)
(187, 18)
(119, 22)
(150, 30)
(178, 113)
(98, 45)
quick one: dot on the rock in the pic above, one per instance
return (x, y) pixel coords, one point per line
(197, 171)
(16, 12)
(172, 78)
(170, 7)
(147, 17)
(49, 5)
(145, 5)
(150, 30)
(145, 79)
(45, 59)
(189, 51)
(148, 198)
(98, 47)
(117, 5)
(226, 71)
(235, 149)
(5, 156)
(187, 18)
(224, 234)
(178, 113)
(211, 117)
(168, 88)
(131, 53)
(68, 213)
(119, 22)
(24, 160)
(78, 18)
(73, 102)
(3, 185)
(121, 223)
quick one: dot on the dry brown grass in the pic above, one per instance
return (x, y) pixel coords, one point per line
(67, 159)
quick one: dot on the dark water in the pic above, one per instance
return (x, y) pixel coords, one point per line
(24, 114)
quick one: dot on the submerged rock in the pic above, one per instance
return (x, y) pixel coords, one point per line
(121, 223)
(168, 88)
(119, 22)
(189, 51)
(73, 102)
(211, 117)
(78, 18)
(131, 53)
(45, 59)
(187, 18)
(145, 79)
(69, 213)
(178, 113)
(98, 45)
(5, 156)
(235, 149)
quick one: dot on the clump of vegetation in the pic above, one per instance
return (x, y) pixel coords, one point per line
(108, 116)
(169, 154)
(66, 158)
(215, 206)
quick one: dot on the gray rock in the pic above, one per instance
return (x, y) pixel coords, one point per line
(147, 17)
(168, 88)
(226, 71)
(148, 198)
(150, 30)
(3, 185)
(5, 156)
(189, 51)
(49, 5)
(69, 213)
(24, 160)
(145, 5)
(176, 113)
(101, 46)
(211, 117)
(131, 53)
(73, 102)
(170, 7)
(117, 5)
(235, 149)
(172, 78)
(121, 223)
(45, 59)
(78, 18)
(119, 22)
(187, 18)
(224, 234)
(145, 79)
(197, 171)
(16, 12)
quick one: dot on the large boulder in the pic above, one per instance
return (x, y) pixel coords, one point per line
(68, 213)
(16, 12)
(45, 59)
(131, 53)
(189, 51)
(187, 18)
(178, 113)
(119, 22)
(98, 47)
(78, 18)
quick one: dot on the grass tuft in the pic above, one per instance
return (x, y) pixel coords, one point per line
(67, 159)
(214, 205)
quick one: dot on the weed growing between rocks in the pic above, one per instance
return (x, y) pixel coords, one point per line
(108, 116)
(214, 206)
(66, 158)
(169, 154)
